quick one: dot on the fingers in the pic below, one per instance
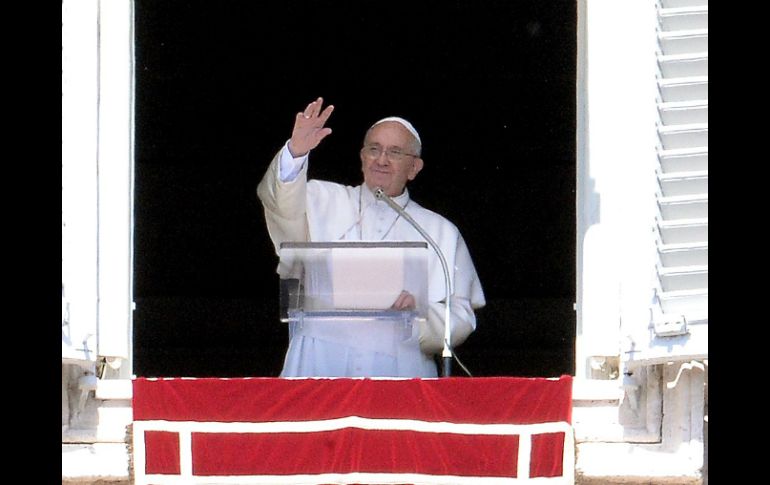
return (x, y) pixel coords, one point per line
(324, 133)
(309, 110)
(404, 301)
(319, 135)
(326, 113)
(303, 120)
(309, 127)
(312, 116)
(314, 108)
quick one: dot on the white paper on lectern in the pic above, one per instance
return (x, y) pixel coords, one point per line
(366, 279)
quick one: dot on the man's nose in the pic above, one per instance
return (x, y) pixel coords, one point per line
(382, 159)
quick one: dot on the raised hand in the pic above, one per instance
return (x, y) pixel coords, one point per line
(309, 128)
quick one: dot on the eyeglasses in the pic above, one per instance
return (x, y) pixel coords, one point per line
(373, 152)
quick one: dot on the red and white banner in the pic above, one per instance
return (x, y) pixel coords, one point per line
(495, 430)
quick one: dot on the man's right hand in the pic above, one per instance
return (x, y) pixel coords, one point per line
(405, 301)
(309, 128)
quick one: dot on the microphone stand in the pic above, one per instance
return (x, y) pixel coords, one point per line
(446, 353)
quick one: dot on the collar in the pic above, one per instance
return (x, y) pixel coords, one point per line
(368, 199)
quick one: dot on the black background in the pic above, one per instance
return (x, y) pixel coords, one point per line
(490, 86)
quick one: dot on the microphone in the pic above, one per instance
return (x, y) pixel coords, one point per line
(446, 353)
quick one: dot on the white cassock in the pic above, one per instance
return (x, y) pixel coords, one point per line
(300, 210)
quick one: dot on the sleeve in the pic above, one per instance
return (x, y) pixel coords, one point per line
(284, 202)
(290, 166)
(466, 279)
(462, 319)
(466, 297)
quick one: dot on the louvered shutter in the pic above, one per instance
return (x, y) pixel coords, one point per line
(679, 327)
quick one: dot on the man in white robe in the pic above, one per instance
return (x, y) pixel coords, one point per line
(298, 209)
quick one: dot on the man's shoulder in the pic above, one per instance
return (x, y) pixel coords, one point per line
(428, 216)
(318, 187)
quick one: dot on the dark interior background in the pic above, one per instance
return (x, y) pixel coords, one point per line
(490, 86)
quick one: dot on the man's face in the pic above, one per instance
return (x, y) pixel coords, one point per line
(390, 174)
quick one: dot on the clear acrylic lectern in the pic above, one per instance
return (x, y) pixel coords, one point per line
(344, 292)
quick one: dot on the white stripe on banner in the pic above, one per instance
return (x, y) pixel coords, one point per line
(525, 453)
(353, 478)
(353, 422)
(185, 455)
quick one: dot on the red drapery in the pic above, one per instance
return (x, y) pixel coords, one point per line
(350, 428)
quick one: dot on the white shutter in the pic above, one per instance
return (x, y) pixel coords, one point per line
(115, 212)
(97, 181)
(79, 180)
(679, 312)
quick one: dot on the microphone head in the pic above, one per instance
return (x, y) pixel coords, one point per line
(378, 192)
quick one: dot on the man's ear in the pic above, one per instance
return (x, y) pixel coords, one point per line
(416, 167)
